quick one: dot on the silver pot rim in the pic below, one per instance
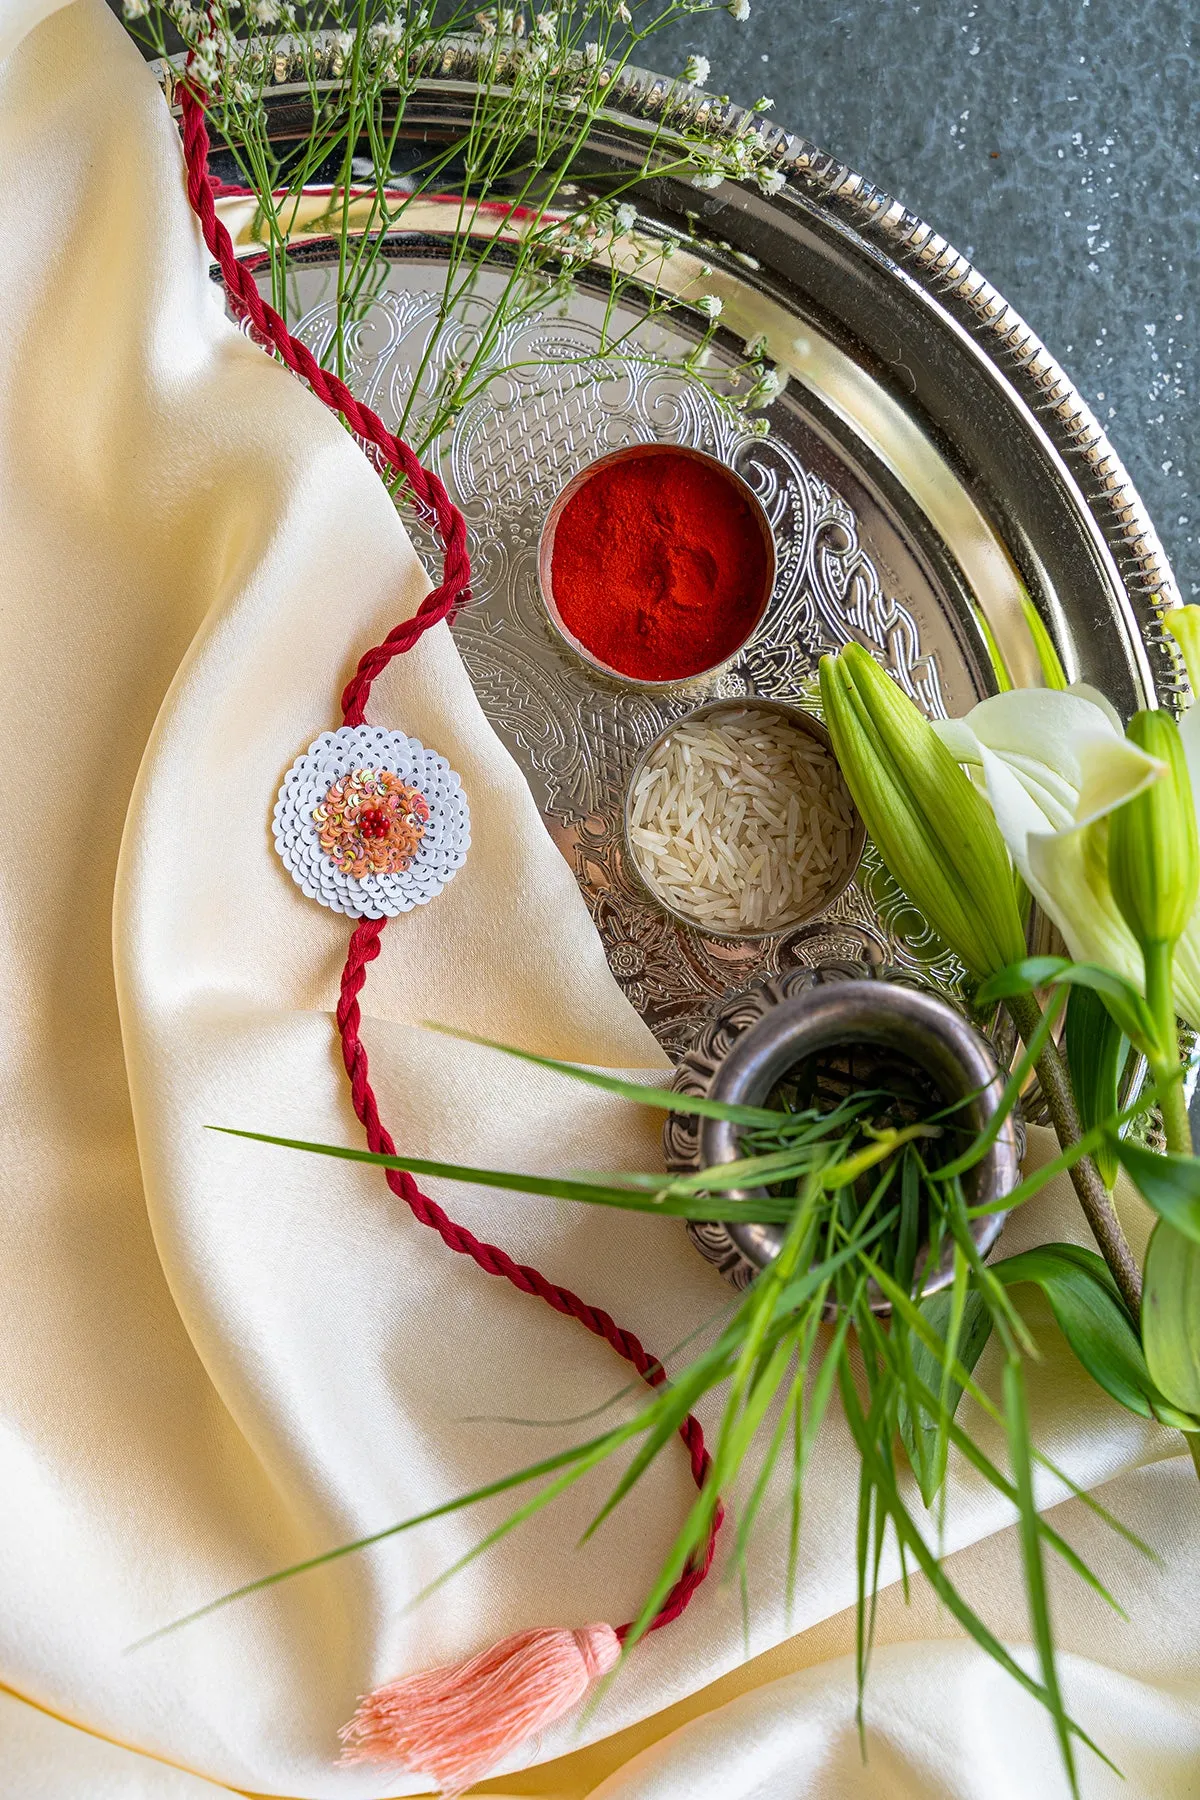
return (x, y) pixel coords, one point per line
(918, 1025)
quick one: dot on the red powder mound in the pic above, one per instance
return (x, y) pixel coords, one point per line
(659, 567)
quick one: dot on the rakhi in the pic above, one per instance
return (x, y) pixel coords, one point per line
(371, 824)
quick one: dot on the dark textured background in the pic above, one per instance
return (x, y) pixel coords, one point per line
(1057, 144)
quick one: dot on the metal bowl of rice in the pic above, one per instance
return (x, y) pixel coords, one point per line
(738, 821)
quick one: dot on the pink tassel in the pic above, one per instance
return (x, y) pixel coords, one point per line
(455, 1723)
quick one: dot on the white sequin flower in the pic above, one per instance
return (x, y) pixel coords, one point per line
(371, 823)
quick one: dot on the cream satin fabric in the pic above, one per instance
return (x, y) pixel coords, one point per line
(217, 1358)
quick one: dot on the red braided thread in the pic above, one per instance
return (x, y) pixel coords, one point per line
(429, 492)
(364, 948)
(247, 302)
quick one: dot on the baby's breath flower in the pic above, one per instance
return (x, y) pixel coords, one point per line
(591, 53)
(134, 9)
(547, 25)
(263, 12)
(708, 178)
(537, 54)
(760, 427)
(711, 305)
(696, 70)
(388, 32)
(771, 181)
(486, 24)
(344, 41)
(204, 70)
(762, 104)
(739, 9)
(622, 12)
(755, 348)
(768, 387)
(626, 217)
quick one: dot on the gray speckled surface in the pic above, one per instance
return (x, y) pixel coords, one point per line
(1056, 143)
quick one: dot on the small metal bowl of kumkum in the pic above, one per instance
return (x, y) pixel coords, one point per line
(738, 821)
(656, 565)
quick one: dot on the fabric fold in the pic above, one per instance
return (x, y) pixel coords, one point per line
(221, 1357)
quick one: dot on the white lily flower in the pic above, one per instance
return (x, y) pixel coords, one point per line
(1053, 765)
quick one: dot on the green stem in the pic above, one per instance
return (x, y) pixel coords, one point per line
(1086, 1179)
(1159, 960)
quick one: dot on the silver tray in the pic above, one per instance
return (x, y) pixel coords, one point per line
(931, 473)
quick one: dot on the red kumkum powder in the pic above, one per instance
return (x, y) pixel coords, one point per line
(659, 567)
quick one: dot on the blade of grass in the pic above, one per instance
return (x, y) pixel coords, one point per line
(641, 1092)
(942, 1586)
(1031, 1548)
(761, 1207)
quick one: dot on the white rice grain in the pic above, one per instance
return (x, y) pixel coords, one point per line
(741, 821)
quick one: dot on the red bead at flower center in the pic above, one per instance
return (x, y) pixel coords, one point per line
(374, 822)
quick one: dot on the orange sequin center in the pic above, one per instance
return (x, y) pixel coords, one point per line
(371, 822)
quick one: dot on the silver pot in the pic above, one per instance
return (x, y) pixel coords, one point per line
(760, 1035)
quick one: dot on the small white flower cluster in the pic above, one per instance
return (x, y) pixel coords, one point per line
(739, 154)
(696, 70)
(769, 385)
(739, 10)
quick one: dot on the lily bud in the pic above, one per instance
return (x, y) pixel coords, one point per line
(1153, 853)
(1183, 623)
(935, 833)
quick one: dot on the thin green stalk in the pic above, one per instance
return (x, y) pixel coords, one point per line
(1159, 960)
(1086, 1178)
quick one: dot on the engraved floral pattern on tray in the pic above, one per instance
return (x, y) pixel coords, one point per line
(545, 414)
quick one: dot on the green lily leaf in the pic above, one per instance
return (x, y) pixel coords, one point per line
(1127, 1007)
(1022, 978)
(1171, 1315)
(1088, 1311)
(1096, 1051)
(925, 1442)
(1170, 1184)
